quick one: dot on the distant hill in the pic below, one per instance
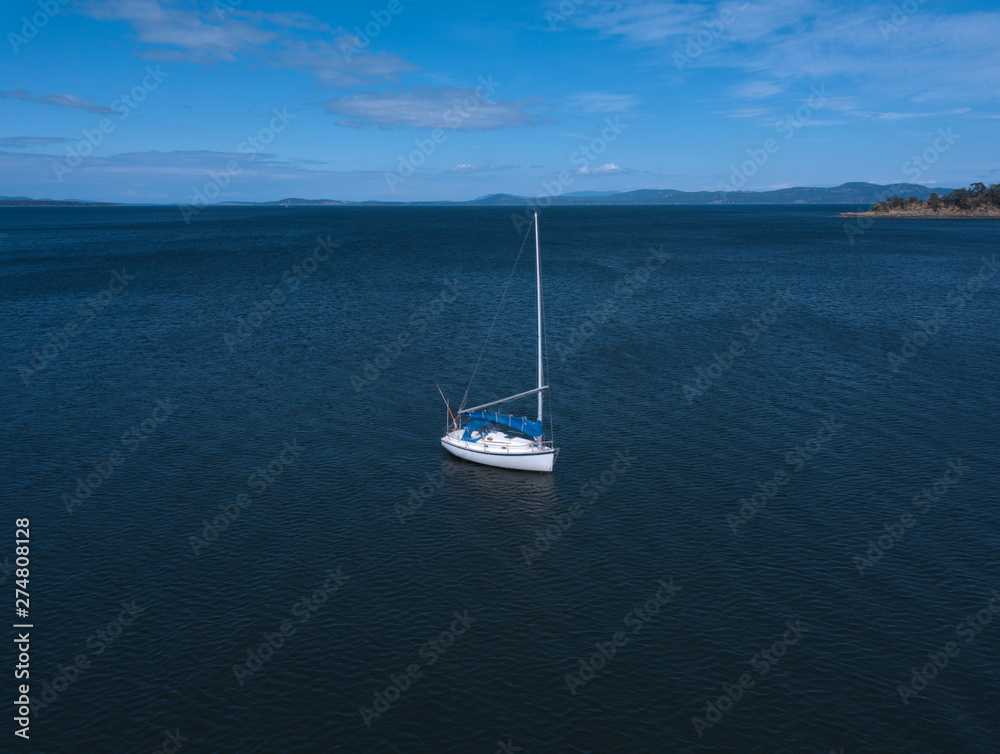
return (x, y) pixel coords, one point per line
(291, 203)
(847, 193)
(24, 201)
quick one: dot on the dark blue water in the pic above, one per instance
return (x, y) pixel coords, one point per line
(264, 421)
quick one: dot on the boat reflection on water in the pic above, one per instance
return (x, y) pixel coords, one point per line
(491, 509)
(487, 486)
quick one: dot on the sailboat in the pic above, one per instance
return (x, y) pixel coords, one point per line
(485, 436)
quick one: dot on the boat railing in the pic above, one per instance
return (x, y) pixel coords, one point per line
(497, 449)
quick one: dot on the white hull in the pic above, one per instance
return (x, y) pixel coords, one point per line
(521, 456)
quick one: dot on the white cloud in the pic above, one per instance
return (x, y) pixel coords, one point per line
(29, 142)
(602, 102)
(197, 35)
(186, 166)
(901, 116)
(749, 112)
(466, 168)
(758, 90)
(425, 107)
(933, 56)
(639, 22)
(607, 169)
(328, 63)
(58, 100)
(278, 39)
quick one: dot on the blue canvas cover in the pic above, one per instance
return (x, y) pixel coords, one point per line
(471, 427)
(527, 426)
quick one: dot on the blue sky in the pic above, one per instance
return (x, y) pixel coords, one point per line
(248, 100)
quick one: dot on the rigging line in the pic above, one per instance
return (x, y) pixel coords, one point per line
(545, 347)
(446, 404)
(465, 397)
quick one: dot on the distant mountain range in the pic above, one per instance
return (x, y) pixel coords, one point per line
(848, 193)
(24, 201)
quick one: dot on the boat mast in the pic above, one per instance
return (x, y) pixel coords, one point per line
(538, 282)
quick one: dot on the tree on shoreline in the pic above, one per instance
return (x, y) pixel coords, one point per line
(977, 196)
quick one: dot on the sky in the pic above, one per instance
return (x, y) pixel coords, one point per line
(194, 101)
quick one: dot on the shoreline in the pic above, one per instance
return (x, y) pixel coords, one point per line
(925, 215)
